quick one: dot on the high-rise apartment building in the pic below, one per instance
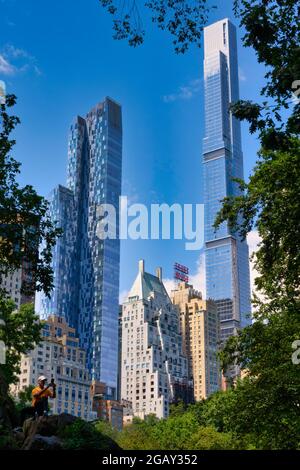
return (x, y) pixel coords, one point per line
(154, 370)
(17, 284)
(227, 257)
(61, 210)
(12, 283)
(87, 268)
(59, 357)
(200, 330)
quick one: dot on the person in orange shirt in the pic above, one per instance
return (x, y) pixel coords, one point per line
(40, 395)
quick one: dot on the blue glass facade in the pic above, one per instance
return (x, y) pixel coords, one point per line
(227, 258)
(61, 206)
(90, 287)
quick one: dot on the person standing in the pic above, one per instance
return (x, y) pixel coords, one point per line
(40, 396)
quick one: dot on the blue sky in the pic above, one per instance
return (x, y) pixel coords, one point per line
(59, 58)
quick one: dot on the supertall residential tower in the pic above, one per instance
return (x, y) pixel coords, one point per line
(227, 258)
(86, 269)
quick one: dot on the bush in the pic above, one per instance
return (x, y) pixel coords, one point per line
(82, 435)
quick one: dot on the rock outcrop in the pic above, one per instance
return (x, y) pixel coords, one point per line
(43, 433)
(62, 432)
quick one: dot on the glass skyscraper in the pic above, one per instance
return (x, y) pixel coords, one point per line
(227, 257)
(61, 208)
(86, 269)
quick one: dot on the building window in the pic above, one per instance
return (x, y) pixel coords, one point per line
(224, 33)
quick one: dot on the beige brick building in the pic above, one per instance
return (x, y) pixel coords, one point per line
(199, 325)
(59, 357)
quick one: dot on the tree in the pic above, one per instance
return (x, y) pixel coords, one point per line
(183, 19)
(106, 429)
(24, 397)
(24, 221)
(177, 409)
(213, 412)
(139, 434)
(267, 402)
(24, 226)
(207, 438)
(273, 30)
(270, 204)
(176, 432)
(20, 335)
(82, 435)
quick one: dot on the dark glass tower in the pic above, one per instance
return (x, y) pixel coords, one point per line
(86, 268)
(227, 258)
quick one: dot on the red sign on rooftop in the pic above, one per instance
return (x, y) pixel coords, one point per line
(181, 273)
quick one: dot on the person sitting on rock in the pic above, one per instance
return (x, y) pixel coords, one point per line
(40, 395)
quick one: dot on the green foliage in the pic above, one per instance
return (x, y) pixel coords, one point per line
(177, 409)
(24, 398)
(270, 204)
(266, 403)
(213, 412)
(184, 20)
(273, 31)
(200, 428)
(105, 428)
(207, 438)
(176, 432)
(195, 429)
(82, 435)
(25, 224)
(267, 411)
(139, 435)
(20, 334)
(7, 442)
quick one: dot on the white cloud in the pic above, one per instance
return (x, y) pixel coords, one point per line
(197, 280)
(123, 296)
(5, 67)
(15, 52)
(14, 60)
(242, 76)
(169, 285)
(184, 92)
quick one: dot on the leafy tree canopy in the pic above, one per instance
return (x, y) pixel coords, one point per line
(183, 19)
(24, 221)
(20, 334)
(273, 31)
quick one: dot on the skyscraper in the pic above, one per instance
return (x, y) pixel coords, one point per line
(86, 268)
(227, 257)
(200, 328)
(154, 369)
(61, 208)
